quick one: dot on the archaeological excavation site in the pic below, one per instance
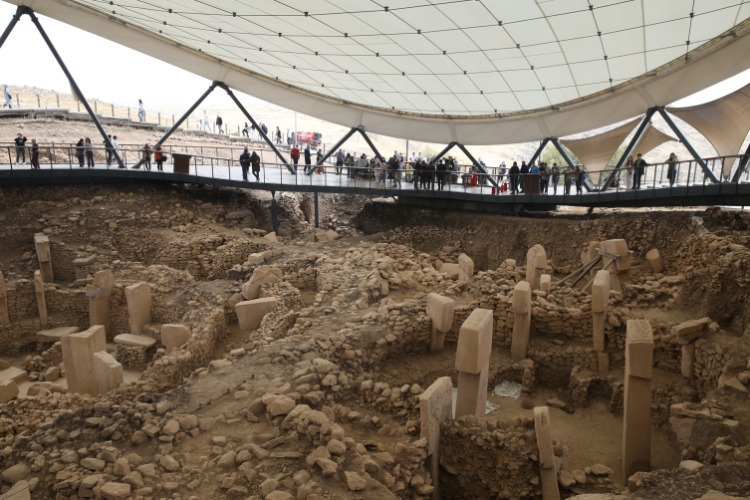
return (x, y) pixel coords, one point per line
(160, 341)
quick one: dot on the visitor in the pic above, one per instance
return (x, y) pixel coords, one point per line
(522, 178)
(141, 111)
(295, 157)
(578, 176)
(349, 164)
(116, 150)
(206, 122)
(555, 177)
(380, 173)
(361, 166)
(246, 131)
(544, 177)
(34, 154)
(89, 152)
(8, 99)
(639, 170)
(514, 175)
(568, 178)
(255, 163)
(440, 173)
(108, 149)
(629, 168)
(219, 124)
(146, 157)
(20, 141)
(80, 152)
(308, 158)
(159, 157)
(501, 171)
(394, 171)
(245, 163)
(672, 169)
(319, 161)
(278, 135)
(339, 161)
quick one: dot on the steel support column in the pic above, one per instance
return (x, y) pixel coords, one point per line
(477, 164)
(21, 10)
(634, 142)
(443, 152)
(742, 165)
(184, 117)
(274, 214)
(255, 124)
(333, 149)
(317, 218)
(73, 84)
(539, 150)
(706, 171)
(369, 142)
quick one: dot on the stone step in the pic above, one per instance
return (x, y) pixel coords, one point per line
(129, 339)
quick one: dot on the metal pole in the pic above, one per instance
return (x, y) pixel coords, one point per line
(742, 165)
(687, 145)
(73, 84)
(478, 165)
(317, 221)
(274, 217)
(443, 152)
(184, 117)
(252, 120)
(634, 142)
(369, 142)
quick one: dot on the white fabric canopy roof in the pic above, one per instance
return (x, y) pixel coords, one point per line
(725, 122)
(472, 71)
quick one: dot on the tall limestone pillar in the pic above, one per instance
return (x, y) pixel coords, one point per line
(547, 467)
(636, 435)
(434, 409)
(78, 351)
(536, 263)
(99, 293)
(44, 256)
(521, 320)
(4, 317)
(473, 363)
(440, 310)
(41, 301)
(599, 305)
(138, 297)
(465, 269)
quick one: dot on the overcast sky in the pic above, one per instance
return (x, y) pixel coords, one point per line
(113, 73)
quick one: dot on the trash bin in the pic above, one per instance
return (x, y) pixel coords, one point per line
(181, 163)
(531, 183)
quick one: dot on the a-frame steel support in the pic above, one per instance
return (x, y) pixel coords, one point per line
(634, 141)
(539, 150)
(469, 156)
(340, 143)
(73, 85)
(706, 171)
(742, 166)
(556, 142)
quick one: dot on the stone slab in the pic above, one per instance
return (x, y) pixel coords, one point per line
(44, 256)
(41, 301)
(138, 297)
(522, 298)
(262, 275)
(475, 342)
(472, 393)
(639, 349)
(250, 313)
(450, 269)
(132, 340)
(174, 335)
(545, 283)
(687, 361)
(78, 354)
(465, 269)
(440, 309)
(99, 293)
(654, 260)
(600, 291)
(13, 374)
(690, 330)
(602, 359)
(55, 334)
(19, 491)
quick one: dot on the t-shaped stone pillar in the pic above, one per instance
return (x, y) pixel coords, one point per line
(521, 320)
(473, 363)
(107, 372)
(621, 267)
(599, 305)
(4, 318)
(547, 467)
(536, 263)
(78, 357)
(41, 301)
(465, 269)
(440, 310)
(44, 255)
(636, 435)
(139, 306)
(434, 409)
(99, 293)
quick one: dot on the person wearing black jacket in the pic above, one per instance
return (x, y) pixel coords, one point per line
(20, 141)
(514, 175)
(640, 168)
(255, 162)
(245, 163)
